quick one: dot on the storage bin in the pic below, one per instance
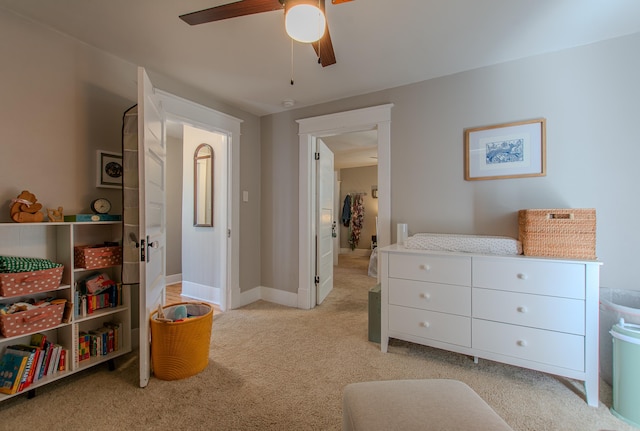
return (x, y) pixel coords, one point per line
(569, 233)
(614, 304)
(181, 349)
(34, 320)
(97, 256)
(25, 283)
(374, 314)
(626, 373)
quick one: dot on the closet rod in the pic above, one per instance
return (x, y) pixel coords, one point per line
(358, 193)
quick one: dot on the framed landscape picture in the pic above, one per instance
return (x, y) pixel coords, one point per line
(511, 150)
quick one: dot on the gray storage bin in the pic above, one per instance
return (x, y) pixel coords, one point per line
(614, 304)
(374, 314)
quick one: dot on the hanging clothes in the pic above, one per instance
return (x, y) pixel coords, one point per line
(357, 220)
(346, 211)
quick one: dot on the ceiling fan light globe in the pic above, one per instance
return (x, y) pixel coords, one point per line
(305, 23)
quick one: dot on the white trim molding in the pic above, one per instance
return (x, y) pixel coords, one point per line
(372, 118)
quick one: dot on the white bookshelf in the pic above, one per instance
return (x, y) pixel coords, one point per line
(56, 241)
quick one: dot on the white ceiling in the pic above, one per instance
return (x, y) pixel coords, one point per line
(353, 150)
(246, 61)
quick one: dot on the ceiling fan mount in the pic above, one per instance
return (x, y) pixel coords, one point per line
(323, 47)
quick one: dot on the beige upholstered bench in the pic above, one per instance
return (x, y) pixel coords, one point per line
(407, 405)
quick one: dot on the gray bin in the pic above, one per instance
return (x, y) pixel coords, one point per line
(614, 304)
(374, 314)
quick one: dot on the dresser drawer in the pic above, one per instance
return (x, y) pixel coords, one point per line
(447, 328)
(446, 298)
(521, 275)
(544, 312)
(547, 347)
(426, 267)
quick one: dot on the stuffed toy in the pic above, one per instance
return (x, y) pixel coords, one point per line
(25, 209)
(55, 214)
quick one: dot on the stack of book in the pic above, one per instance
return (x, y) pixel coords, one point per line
(22, 365)
(100, 341)
(89, 303)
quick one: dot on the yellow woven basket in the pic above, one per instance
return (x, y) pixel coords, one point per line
(181, 349)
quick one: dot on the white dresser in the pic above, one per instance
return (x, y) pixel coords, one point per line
(537, 313)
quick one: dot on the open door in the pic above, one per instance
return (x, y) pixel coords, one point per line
(152, 179)
(325, 224)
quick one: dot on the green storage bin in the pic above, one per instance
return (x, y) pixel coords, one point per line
(626, 372)
(374, 314)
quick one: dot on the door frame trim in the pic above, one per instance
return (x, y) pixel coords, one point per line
(372, 118)
(187, 112)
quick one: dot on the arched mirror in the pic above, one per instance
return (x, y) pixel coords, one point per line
(203, 186)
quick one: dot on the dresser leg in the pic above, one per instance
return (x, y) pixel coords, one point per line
(591, 391)
(475, 360)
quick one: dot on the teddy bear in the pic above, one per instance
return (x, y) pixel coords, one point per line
(25, 209)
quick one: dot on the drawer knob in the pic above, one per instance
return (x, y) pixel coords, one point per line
(425, 267)
(522, 343)
(426, 296)
(522, 309)
(425, 324)
(523, 276)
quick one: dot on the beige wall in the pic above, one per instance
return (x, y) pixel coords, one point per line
(62, 100)
(589, 96)
(360, 180)
(174, 206)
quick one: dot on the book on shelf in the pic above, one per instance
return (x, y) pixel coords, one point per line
(63, 363)
(88, 303)
(55, 358)
(84, 346)
(117, 333)
(48, 348)
(31, 354)
(11, 370)
(38, 340)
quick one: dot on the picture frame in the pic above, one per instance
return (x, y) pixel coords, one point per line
(502, 151)
(109, 170)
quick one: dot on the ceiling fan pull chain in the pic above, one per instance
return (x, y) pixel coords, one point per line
(291, 61)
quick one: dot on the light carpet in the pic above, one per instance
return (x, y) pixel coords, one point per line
(278, 368)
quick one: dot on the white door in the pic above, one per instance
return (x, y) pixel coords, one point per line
(151, 180)
(325, 223)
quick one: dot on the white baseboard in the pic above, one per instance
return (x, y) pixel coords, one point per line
(268, 294)
(201, 292)
(240, 299)
(173, 279)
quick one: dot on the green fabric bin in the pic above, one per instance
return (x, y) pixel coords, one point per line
(626, 372)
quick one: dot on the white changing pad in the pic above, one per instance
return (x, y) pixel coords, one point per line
(465, 243)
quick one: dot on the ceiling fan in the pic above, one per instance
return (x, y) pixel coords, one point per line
(323, 46)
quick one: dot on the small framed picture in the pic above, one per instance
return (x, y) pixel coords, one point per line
(109, 170)
(512, 150)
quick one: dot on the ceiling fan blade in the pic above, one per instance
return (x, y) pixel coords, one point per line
(324, 47)
(231, 10)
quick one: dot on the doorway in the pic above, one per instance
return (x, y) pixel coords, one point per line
(223, 132)
(310, 129)
(356, 173)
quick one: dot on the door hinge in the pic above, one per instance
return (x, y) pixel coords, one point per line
(228, 233)
(317, 156)
(316, 279)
